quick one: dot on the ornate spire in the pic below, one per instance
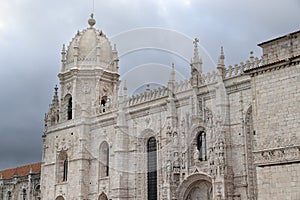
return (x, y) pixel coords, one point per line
(196, 51)
(172, 74)
(222, 57)
(55, 97)
(196, 66)
(63, 57)
(125, 88)
(221, 64)
(171, 83)
(52, 117)
(92, 21)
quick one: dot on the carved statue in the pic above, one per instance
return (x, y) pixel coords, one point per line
(196, 154)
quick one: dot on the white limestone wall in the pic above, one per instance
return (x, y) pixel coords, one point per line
(276, 121)
(281, 182)
(276, 107)
(65, 139)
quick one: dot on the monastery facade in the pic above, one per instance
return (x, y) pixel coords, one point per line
(232, 134)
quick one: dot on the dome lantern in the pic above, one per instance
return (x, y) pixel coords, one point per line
(92, 21)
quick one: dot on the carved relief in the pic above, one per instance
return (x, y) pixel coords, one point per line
(217, 158)
(278, 141)
(63, 144)
(86, 88)
(274, 156)
(68, 88)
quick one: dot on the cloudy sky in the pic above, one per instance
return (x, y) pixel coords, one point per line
(32, 33)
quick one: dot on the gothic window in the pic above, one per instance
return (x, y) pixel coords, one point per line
(152, 169)
(104, 160)
(37, 193)
(65, 175)
(60, 198)
(9, 196)
(62, 170)
(24, 195)
(102, 197)
(201, 146)
(103, 103)
(70, 108)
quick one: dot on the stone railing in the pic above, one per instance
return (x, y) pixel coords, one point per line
(182, 86)
(277, 156)
(239, 69)
(210, 77)
(148, 95)
(103, 108)
(232, 71)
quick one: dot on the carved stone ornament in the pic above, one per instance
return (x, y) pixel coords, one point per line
(276, 156)
(86, 88)
(63, 144)
(278, 142)
(68, 87)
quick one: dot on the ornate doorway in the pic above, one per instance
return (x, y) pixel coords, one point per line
(102, 197)
(60, 198)
(200, 190)
(196, 187)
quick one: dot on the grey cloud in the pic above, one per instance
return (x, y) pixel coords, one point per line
(32, 33)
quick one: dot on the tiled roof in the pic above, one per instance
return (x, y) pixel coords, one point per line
(21, 171)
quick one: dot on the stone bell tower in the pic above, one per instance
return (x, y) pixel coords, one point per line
(89, 76)
(89, 82)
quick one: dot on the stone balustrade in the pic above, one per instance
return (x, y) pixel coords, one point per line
(209, 78)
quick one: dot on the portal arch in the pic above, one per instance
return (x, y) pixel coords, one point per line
(102, 196)
(197, 186)
(60, 198)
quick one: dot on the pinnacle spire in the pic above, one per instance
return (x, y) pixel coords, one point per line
(172, 74)
(196, 50)
(125, 88)
(221, 64)
(221, 57)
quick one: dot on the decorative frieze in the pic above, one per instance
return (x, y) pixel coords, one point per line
(277, 156)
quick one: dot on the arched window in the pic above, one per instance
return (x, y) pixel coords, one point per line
(65, 176)
(102, 197)
(9, 196)
(152, 169)
(24, 195)
(60, 198)
(104, 160)
(37, 192)
(62, 170)
(103, 103)
(70, 108)
(201, 146)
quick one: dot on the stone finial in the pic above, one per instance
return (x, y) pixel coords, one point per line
(172, 74)
(92, 21)
(55, 90)
(251, 56)
(125, 88)
(63, 56)
(222, 57)
(221, 64)
(63, 48)
(121, 92)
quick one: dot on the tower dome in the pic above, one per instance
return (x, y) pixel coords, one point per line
(89, 48)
